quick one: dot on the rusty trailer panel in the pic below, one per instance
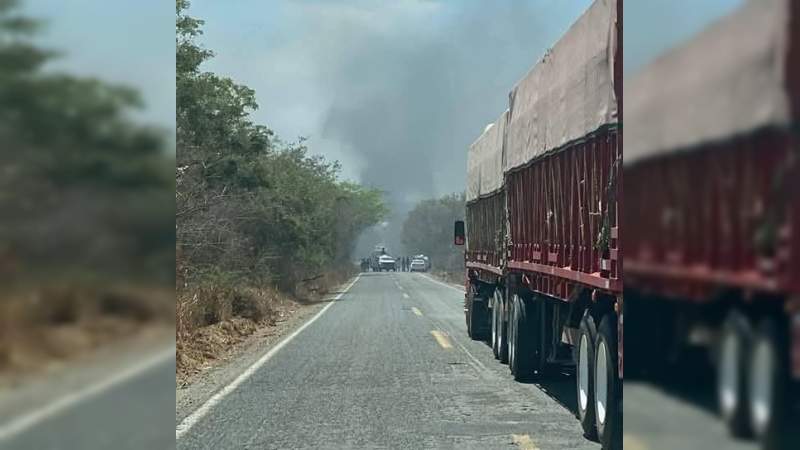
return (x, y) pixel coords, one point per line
(563, 216)
(486, 233)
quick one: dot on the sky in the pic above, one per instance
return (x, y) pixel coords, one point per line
(654, 26)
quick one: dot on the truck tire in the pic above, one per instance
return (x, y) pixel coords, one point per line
(477, 316)
(768, 377)
(584, 375)
(504, 330)
(499, 341)
(522, 343)
(732, 384)
(608, 417)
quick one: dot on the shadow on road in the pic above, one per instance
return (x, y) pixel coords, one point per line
(560, 386)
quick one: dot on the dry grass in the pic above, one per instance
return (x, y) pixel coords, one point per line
(40, 325)
(213, 318)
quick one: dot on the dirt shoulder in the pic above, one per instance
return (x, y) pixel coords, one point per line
(43, 329)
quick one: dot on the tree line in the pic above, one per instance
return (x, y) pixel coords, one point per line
(251, 208)
(428, 229)
(85, 191)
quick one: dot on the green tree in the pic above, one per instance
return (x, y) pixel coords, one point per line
(82, 187)
(250, 205)
(428, 229)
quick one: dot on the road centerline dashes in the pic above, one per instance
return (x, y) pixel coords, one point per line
(441, 338)
(524, 441)
(416, 311)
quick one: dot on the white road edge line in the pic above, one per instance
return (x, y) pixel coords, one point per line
(26, 421)
(192, 419)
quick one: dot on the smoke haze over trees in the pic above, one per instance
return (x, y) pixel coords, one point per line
(252, 210)
(428, 229)
(395, 90)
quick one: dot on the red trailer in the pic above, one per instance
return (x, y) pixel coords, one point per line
(712, 210)
(543, 257)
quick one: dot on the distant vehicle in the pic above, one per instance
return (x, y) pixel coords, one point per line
(374, 262)
(418, 265)
(386, 262)
(426, 260)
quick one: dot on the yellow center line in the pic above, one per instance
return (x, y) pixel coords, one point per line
(416, 311)
(524, 441)
(441, 339)
(630, 442)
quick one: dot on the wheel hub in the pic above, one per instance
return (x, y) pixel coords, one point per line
(761, 388)
(583, 373)
(601, 382)
(729, 374)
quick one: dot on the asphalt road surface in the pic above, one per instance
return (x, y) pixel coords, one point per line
(95, 407)
(389, 366)
(667, 416)
(679, 411)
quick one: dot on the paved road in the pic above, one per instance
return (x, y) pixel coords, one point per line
(664, 416)
(127, 408)
(388, 366)
(679, 412)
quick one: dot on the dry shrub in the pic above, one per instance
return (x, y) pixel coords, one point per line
(214, 304)
(42, 323)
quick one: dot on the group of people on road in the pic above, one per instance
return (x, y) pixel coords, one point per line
(402, 263)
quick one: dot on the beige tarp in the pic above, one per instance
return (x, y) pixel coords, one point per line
(726, 81)
(485, 160)
(569, 93)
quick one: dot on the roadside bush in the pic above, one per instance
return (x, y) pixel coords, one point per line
(252, 210)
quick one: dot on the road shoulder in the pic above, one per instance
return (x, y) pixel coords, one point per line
(193, 393)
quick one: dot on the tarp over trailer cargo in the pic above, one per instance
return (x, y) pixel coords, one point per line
(729, 80)
(563, 160)
(569, 93)
(485, 161)
(711, 127)
(486, 198)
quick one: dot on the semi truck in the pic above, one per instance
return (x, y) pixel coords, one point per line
(712, 215)
(543, 240)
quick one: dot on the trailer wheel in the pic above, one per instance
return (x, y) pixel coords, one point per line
(768, 375)
(584, 375)
(499, 341)
(504, 331)
(606, 405)
(522, 342)
(732, 385)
